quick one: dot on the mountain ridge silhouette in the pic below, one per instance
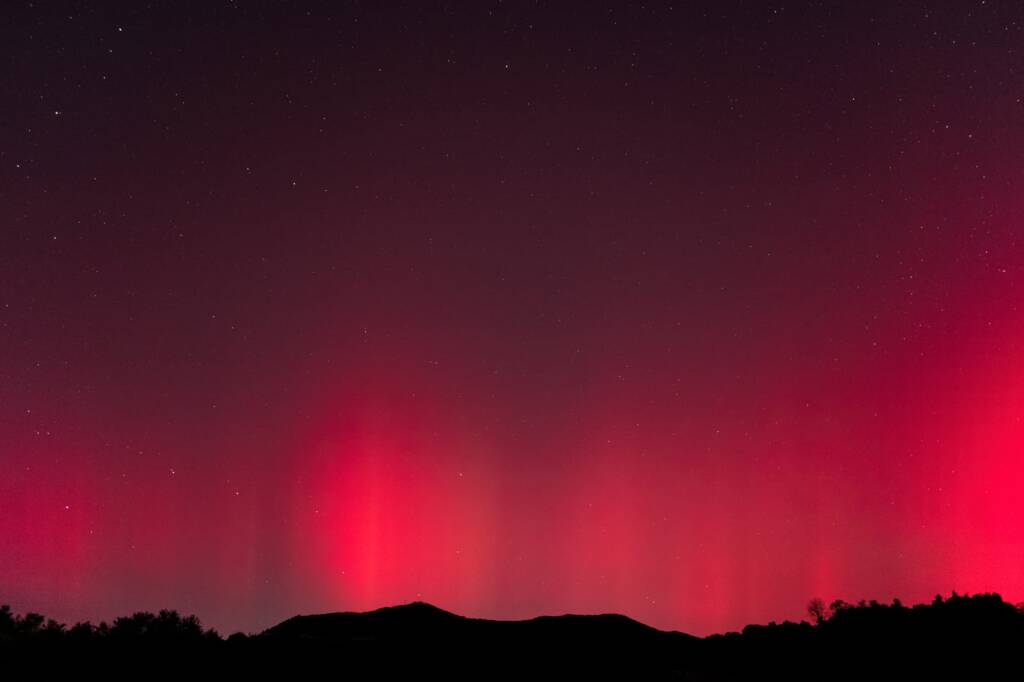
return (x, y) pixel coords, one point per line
(423, 623)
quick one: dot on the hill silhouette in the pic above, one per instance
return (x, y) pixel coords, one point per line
(419, 620)
(967, 635)
(432, 638)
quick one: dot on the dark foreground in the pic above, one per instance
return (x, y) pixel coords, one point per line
(974, 637)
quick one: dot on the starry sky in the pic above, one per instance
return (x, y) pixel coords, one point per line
(687, 311)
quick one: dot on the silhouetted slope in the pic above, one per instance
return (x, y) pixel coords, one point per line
(408, 620)
(426, 637)
(419, 621)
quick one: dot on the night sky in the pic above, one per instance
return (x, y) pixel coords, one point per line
(689, 312)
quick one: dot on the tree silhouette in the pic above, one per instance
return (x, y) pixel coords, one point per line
(817, 610)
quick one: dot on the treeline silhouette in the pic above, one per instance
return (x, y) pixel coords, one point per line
(968, 635)
(167, 627)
